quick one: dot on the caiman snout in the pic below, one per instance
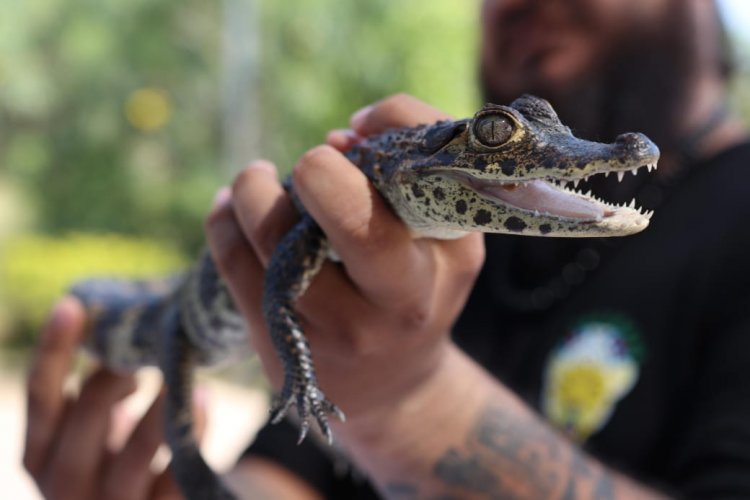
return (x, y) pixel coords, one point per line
(636, 145)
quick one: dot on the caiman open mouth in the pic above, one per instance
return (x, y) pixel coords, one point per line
(558, 198)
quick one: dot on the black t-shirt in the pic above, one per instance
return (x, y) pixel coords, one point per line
(638, 347)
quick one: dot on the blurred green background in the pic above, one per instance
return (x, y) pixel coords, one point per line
(119, 119)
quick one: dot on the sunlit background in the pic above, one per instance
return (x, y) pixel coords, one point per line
(119, 119)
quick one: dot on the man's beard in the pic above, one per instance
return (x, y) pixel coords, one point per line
(641, 86)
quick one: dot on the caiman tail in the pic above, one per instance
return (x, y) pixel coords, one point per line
(175, 324)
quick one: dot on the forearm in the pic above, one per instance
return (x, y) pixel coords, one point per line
(462, 434)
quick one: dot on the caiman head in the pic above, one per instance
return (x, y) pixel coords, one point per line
(506, 170)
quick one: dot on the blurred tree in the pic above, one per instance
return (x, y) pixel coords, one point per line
(322, 60)
(111, 110)
(75, 81)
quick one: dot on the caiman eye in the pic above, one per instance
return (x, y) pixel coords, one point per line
(493, 130)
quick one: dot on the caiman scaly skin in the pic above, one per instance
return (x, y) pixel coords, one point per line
(501, 171)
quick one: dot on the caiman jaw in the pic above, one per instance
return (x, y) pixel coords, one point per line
(551, 197)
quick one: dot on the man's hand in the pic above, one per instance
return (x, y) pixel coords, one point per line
(67, 438)
(378, 323)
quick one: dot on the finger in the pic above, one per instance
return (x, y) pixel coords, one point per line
(399, 110)
(388, 266)
(46, 401)
(342, 139)
(459, 262)
(264, 211)
(128, 474)
(243, 273)
(81, 446)
(257, 200)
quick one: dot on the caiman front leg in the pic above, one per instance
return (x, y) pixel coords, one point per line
(294, 264)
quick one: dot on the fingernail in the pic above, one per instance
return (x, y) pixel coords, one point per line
(340, 133)
(263, 165)
(358, 118)
(222, 197)
(342, 137)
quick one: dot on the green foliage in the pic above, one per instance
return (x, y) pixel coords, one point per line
(70, 71)
(111, 113)
(36, 269)
(67, 72)
(322, 60)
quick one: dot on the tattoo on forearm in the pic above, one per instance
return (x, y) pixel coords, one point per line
(466, 471)
(506, 456)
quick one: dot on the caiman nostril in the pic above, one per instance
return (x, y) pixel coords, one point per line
(636, 143)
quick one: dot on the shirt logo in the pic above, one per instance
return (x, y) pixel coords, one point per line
(588, 374)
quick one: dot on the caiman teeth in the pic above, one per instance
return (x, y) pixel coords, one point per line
(610, 208)
(620, 173)
(555, 197)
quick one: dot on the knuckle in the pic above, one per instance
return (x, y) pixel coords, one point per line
(414, 315)
(360, 345)
(357, 340)
(360, 231)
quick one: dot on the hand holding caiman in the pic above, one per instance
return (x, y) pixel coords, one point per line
(504, 170)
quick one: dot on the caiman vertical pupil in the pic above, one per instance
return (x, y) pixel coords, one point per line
(493, 130)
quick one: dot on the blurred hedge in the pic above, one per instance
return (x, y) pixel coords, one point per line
(35, 270)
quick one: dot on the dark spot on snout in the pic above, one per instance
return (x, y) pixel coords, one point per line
(438, 193)
(418, 191)
(514, 224)
(461, 206)
(482, 217)
(508, 167)
(545, 228)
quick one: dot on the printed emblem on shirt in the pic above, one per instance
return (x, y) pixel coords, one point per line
(588, 374)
